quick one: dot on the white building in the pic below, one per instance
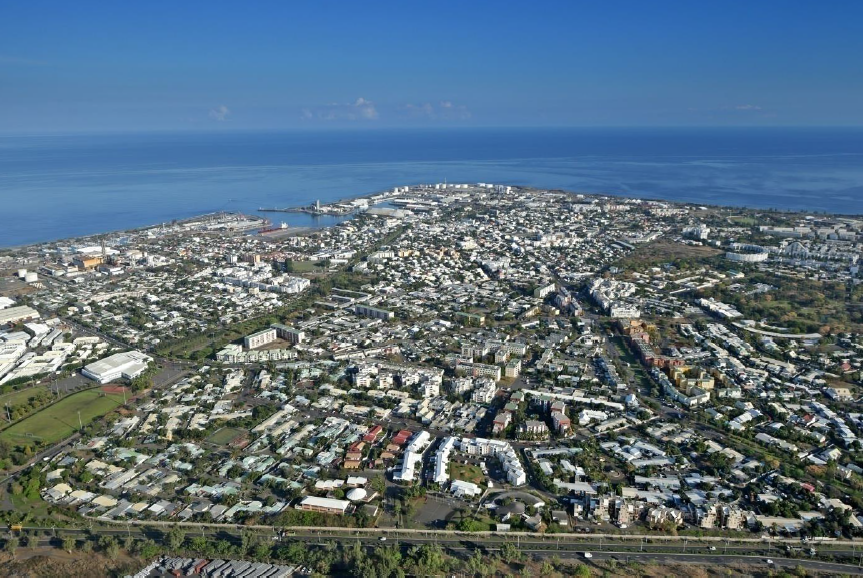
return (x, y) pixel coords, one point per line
(413, 456)
(128, 365)
(260, 338)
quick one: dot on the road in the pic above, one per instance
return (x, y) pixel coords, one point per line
(743, 554)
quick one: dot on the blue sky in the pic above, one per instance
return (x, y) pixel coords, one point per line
(96, 66)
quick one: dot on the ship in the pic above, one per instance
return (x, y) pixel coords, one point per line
(269, 230)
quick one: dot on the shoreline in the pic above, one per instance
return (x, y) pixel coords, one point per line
(306, 229)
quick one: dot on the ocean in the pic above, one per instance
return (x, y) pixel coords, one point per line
(54, 187)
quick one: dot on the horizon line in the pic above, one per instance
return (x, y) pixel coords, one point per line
(366, 128)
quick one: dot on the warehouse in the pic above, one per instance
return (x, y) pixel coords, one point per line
(12, 315)
(324, 505)
(128, 365)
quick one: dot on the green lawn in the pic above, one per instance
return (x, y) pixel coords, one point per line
(305, 266)
(743, 220)
(466, 473)
(22, 395)
(225, 435)
(60, 420)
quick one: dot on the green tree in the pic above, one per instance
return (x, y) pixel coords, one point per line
(175, 538)
(262, 552)
(110, 546)
(69, 543)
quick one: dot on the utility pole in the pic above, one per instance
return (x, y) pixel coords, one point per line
(80, 425)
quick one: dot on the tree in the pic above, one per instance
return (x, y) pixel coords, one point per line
(262, 552)
(509, 553)
(11, 545)
(31, 541)
(110, 546)
(69, 543)
(176, 536)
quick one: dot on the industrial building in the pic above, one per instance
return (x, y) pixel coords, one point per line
(324, 505)
(12, 315)
(128, 365)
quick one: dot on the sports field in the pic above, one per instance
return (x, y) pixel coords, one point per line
(60, 420)
(226, 436)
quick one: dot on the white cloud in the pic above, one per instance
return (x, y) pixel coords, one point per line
(361, 109)
(367, 108)
(746, 107)
(220, 113)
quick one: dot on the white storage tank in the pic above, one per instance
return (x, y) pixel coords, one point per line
(22, 273)
(31, 277)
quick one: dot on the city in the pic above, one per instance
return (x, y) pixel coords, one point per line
(561, 381)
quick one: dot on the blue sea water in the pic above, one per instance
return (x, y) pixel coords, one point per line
(54, 187)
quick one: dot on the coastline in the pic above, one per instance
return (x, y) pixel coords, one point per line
(303, 230)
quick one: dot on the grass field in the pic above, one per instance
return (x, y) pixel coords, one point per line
(60, 420)
(305, 266)
(226, 435)
(743, 220)
(466, 473)
(663, 251)
(22, 395)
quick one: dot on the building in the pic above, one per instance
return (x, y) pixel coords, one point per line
(478, 370)
(324, 505)
(413, 456)
(562, 424)
(128, 365)
(441, 460)
(260, 338)
(501, 422)
(85, 262)
(288, 333)
(12, 315)
(503, 451)
(373, 312)
(534, 428)
(513, 368)
(839, 393)
(741, 253)
(484, 393)
(543, 291)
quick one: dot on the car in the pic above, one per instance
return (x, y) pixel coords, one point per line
(713, 548)
(588, 555)
(769, 562)
(382, 539)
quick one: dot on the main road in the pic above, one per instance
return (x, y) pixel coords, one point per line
(661, 549)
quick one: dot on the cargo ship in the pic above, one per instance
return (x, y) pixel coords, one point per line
(270, 230)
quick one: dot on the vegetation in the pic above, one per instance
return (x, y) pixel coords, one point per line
(60, 420)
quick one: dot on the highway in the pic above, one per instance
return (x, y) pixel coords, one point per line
(546, 547)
